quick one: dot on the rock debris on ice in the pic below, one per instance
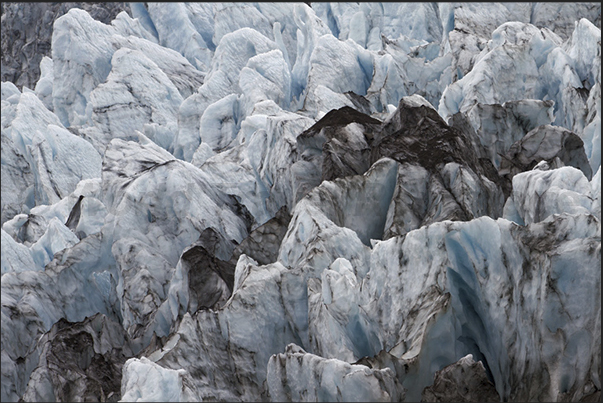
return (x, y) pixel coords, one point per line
(301, 202)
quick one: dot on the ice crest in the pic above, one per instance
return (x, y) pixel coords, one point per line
(311, 201)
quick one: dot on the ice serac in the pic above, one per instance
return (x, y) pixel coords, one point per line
(259, 168)
(529, 53)
(77, 39)
(542, 192)
(81, 211)
(510, 37)
(15, 256)
(498, 127)
(338, 66)
(592, 132)
(135, 196)
(60, 161)
(44, 162)
(231, 55)
(238, 372)
(236, 16)
(220, 123)
(338, 327)
(27, 36)
(596, 194)
(365, 22)
(137, 96)
(555, 145)
(17, 175)
(467, 28)
(266, 77)
(175, 30)
(336, 210)
(297, 375)
(156, 384)
(582, 48)
(310, 28)
(223, 80)
(83, 49)
(43, 88)
(462, 266)
(56, 238)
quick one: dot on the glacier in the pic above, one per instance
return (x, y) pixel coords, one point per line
(301, 202)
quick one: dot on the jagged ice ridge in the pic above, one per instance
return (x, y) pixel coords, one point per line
(293, 202)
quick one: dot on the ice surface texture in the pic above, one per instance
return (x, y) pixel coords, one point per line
(284, 202)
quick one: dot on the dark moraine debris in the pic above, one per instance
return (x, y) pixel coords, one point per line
(74, 216)
(81, 361)
(417, 134)
(211, 261)
(444, 174)
(463, 381)
(341, 117)
(338, 145)
(360, 103)
(263, 243)
(210, 275)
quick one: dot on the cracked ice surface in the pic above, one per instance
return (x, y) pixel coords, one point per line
(293, 202)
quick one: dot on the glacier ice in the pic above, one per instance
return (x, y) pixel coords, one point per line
(185, 39)
(552, 144)
(327, 379)
(500, 126)
(145, 381)
(132, 98)
(542, 192)
(43, 87)
(16, 257)
(536, 53)
(81, 63)
(311, 201)
(44, 161)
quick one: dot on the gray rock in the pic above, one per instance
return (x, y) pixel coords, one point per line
(463, 381)
(416, 133)
(26, 36)
(547, 14)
